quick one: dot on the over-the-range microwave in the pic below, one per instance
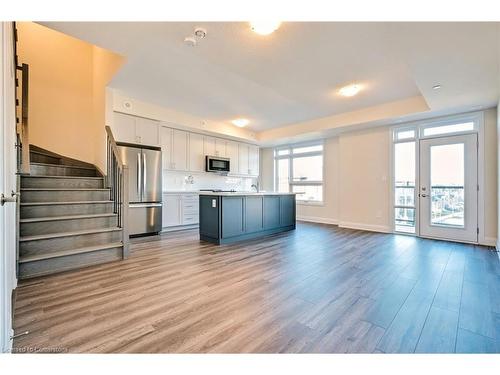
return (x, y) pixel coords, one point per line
(216, 164)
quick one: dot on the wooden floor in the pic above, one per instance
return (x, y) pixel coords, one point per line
(316, 289)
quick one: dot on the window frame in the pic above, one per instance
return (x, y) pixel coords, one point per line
(290, 156)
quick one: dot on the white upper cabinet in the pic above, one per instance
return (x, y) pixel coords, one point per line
(253, 160)
(133, 129)
(147, 131)
(166, 147)
(220, 147)
(243, 159)
(209, 146)
(186, 151)
(232, 153)
(124, 128)
(174, 146)
(195, 153)
(180, 150)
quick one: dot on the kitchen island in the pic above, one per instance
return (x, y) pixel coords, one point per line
(227, 217)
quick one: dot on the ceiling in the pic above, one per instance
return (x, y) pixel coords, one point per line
(292, 76)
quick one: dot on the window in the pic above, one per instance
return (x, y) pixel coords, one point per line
(299, 169)
(404, 187)
(447, 129)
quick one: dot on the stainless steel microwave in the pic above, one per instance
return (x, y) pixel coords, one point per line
(216, 164)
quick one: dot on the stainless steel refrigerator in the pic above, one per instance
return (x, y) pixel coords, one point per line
(145, 173)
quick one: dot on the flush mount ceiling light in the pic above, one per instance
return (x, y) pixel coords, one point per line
(436, 87)
(240, 122)
(200, 32)
(350, 90)
(265, 27)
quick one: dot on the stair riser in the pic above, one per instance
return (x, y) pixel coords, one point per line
(54, 265)
(64, 196)
(29, 212)
(57, 226)
(37, 247)
(45, 170)
(41, 158)
(61, 183)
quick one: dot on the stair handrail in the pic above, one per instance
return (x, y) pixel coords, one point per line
(117, 175)
(22, 129)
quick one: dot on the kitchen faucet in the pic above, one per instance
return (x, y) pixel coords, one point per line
(256, 186)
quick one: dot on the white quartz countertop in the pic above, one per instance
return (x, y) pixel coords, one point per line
(236, 193)
(181, 192)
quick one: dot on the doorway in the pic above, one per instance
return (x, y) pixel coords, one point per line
(448, 188)
(436, 178)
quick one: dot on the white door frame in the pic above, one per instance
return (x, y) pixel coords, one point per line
(8, 279)
(478, 119)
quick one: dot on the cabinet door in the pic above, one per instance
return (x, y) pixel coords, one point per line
(253, 160)
(209, 146)
(166, 146)
(179, 150)
(271, 212)
(232, 154)
(253, 214)
(220, 147)
(195, 154)
(232, 216)
(146, 131)
(243, 159)
(287, 206)
(124, 128)
(171, 210)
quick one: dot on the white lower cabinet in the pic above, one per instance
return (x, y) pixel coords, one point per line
(180, 209)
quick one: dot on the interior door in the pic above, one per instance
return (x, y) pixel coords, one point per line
(132, 157)
(448, 188)
(151, 175)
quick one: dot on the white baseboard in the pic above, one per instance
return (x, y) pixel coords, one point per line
(489, 241)
(318, 219)
(179, 227)
(367, 227)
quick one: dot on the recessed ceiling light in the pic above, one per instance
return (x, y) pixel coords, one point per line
(436, 87)
(265, 27)
(200, 32)
(240, 122)
(350, 90)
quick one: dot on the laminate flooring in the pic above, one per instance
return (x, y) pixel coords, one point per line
(318, 289)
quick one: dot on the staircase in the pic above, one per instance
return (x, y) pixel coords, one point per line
(68, 218)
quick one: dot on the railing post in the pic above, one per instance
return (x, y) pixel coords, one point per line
(124, 215)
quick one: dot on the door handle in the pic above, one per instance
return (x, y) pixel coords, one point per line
(144, 173)
(11, 199)
(424, 195)
(139, 173)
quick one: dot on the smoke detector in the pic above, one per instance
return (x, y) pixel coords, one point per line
(200, 32)
(190, 41)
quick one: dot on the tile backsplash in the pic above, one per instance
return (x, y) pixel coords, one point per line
(182, 181)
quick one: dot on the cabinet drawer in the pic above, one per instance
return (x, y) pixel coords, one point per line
(190, 219)
(190, 198)
(190, 210)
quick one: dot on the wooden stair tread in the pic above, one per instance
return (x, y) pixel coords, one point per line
(68, 217)
(60, 177)
(63, 166)
(58, 254)
(63, 203)
(68, 234)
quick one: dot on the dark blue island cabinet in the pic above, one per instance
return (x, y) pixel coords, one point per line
(231, 217)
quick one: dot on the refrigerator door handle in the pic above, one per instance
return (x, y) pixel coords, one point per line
(144, 174)
(139, 174)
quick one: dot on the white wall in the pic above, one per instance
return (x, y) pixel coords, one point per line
(8, 279)
(357, 179)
